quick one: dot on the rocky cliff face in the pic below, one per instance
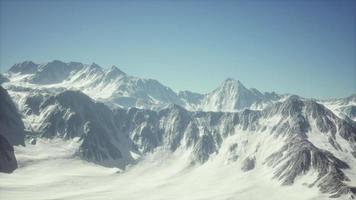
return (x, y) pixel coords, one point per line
(11, 132)
(72, 114)
(307, 136)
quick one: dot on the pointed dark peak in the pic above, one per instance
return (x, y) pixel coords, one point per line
(52, 65)
(26, 67)
(292, 102)
(69, 98)
(56, 62)
(231, 81)
(293, 105)
(94, 65)
(75, 64)
(27, 62)
(72, 94)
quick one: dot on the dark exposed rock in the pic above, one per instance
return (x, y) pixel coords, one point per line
(8, 161)
(72, 114)
(11, 125)
(11, 132)
(204, 147)
(27, 67)
(299, 156)
(248, 164)
(3, 79)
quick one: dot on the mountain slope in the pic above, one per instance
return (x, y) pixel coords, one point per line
(293, 138)
(109, 85)
(11, 132)
(116, 88)
(343, 107)
(72, 114)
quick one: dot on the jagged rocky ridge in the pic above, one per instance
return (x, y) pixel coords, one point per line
(111, 86)
(343, 107)
(292, 136)
(116, 88)
(72, 114)
(204, 134)
(239, 137)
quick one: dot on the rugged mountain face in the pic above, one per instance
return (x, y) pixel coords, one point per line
(11, 132)
(118, 89)
(72, 114)
(288, 136)
(232, 95)
(191, 100)
(344, 107)
(11, 125)
(294, 138)
(111, 86)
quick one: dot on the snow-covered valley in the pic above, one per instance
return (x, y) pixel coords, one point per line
(49, 170)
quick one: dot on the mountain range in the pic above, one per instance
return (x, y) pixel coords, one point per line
(119, 120)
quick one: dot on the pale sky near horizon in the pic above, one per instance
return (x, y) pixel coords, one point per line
(302, 47)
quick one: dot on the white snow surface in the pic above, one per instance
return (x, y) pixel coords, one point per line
(50, 170)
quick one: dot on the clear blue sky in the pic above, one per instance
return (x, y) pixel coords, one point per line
(302, 47)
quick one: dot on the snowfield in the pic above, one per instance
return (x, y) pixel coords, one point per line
(50, 170)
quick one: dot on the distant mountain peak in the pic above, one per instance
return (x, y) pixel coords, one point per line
(54, 62)
(26, 67)
(232, 84)
(94, 65)
(114, 71)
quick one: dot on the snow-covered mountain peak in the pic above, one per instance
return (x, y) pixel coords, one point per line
(231, 95)
(232, 84)
(114, 72)
(26, 67)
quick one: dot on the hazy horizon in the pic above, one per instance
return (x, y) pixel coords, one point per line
(304, 48)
